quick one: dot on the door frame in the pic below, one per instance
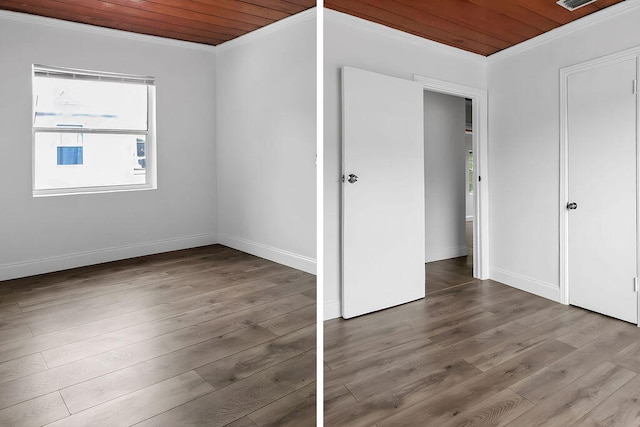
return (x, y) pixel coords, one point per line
(565, 73)
(480, 154)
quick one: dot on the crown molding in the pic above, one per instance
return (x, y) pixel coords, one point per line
(365, 25)
(268, 29)
(571, 27)
(109, 32)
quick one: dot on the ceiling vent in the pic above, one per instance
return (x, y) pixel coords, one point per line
(574, 4)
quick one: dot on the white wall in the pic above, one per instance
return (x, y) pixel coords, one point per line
(354, 42)
(445, 152)
(266, 142)
(50, 233)
(524, 144)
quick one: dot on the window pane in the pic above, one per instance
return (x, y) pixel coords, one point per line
(89, 104)
(70, 155)
(104, 160)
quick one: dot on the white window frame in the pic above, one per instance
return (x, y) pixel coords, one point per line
(150, 133)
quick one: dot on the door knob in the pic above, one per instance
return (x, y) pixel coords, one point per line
(572, 206)
(352, 178)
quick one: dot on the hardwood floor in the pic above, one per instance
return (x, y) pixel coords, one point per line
(479, 353)
(206, 336)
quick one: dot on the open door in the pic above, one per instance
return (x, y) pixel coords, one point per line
(383, 192)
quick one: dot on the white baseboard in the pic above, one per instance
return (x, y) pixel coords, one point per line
(81, 259)
(332, 310)
(446, 253)
(527, 284)
(269, 252)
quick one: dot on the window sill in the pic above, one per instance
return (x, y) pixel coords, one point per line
(91, 190)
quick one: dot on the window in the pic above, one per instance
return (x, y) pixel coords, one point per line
(92, 132)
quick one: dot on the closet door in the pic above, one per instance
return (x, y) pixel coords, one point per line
(602, 190)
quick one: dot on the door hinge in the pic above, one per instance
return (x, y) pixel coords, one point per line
(635, 284)
(635, 87)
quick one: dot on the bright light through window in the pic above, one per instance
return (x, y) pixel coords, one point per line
(92, 131)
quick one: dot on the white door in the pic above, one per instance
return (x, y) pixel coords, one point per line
(602, 241)
(383, 192)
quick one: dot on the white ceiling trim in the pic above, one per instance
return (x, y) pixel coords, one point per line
(402, 36)
(109, 32)
(268, 29)
(578, 24)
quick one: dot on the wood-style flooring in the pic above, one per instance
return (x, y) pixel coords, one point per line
(479, 353)
(206, 336)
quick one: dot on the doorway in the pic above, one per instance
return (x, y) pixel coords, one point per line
(449, 183)
(475, 101)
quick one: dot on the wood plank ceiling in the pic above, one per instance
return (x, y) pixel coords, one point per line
(480, 26)
(202, 21)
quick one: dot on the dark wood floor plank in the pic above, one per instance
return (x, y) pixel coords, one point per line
(487, 339)
(435, 326)
(629, 357)
(390, 337)
(547, 314)
(84, 331)
(242, 422)
(360, 338)
(41, 322)
(575, 400)
(453, 401)
(552, 378)
(243, 364)
(404, 373)
(619, 409)
(57, 378)
(231, 403)
(44, 324)
(87, 290)
(138, 406)
(498, 410)
(486, 359)
(293, 410)
(585, 332)
(379, 407)
(123, 339)
(9, 309)
(292, 321)
(481, 354)
(35, 412)
(477, 327)
(68, 288)
(336, 399)
(21, 367)
(15, 334)
(376, 363)
(311, 293)
(178, 300)
(117, 383)
(99, 344)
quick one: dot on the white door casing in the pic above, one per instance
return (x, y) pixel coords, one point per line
(383, 211)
